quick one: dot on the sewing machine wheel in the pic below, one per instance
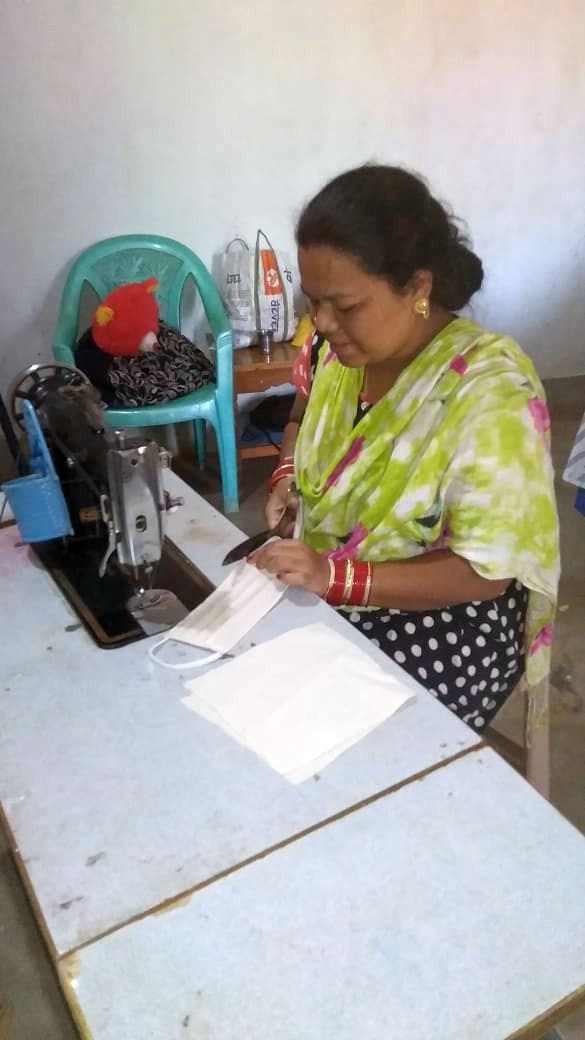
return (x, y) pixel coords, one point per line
(35, 381)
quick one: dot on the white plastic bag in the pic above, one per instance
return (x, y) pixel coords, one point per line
(258, 290)
(237, 291)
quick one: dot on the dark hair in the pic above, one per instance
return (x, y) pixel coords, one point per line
(387, 219)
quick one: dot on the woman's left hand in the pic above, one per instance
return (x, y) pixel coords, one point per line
(294, 563)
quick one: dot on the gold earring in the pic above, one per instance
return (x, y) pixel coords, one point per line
(422, 307)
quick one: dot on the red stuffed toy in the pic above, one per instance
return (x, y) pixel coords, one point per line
(133, 357)
(126, 322)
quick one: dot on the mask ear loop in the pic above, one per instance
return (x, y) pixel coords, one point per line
(199, 663)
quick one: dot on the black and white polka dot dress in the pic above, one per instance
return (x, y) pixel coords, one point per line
(469, 656)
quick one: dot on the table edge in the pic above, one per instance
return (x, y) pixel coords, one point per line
(554, 1016)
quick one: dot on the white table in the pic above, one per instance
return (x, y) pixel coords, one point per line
(117, 797)
(119, 803)
(439, 912)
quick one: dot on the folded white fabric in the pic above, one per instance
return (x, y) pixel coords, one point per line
(299, 700)
(225, 617)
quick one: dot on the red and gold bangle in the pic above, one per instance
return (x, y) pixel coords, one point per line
(331, 577)
(335, 589)
(285, 468)
(368, 588)
(357, 588)
(350, 582)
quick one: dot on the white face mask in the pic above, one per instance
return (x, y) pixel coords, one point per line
(225, 617)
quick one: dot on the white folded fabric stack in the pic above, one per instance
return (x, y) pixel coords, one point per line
(300, 700)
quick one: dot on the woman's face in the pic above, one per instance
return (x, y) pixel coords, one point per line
(364, 319)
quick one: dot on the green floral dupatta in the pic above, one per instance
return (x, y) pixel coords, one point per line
(456, 454)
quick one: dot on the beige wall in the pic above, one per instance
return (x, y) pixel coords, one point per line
(198, 119)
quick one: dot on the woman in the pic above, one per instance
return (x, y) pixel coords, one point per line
(421, 450)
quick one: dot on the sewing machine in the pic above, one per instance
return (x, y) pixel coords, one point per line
(93, 507)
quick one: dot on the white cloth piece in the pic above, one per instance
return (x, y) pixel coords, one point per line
(226, 616)
(300, 700)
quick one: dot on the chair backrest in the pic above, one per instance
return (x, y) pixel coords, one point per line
(130, 258)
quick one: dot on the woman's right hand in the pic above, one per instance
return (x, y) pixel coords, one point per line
(279, 499)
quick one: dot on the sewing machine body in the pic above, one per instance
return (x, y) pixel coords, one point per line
(108, 546)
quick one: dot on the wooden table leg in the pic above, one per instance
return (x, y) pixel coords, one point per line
(538, 738)
(5, 1018)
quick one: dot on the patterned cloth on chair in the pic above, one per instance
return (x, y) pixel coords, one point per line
(175, 368)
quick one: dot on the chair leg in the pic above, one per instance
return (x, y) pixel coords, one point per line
(538, 737)
(199, 430)
(226, 446)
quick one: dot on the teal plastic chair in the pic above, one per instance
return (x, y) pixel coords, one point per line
(131, 258)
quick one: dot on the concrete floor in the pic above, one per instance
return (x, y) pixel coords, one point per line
(27, 982)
